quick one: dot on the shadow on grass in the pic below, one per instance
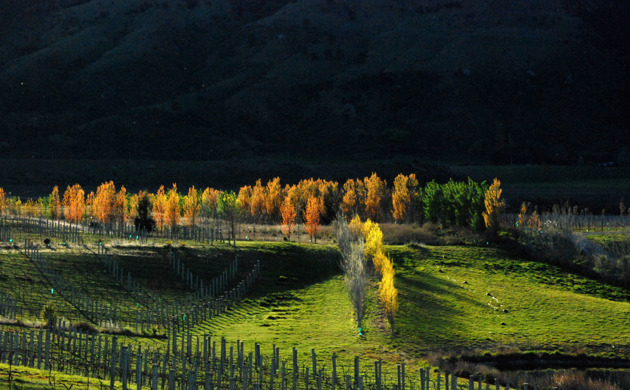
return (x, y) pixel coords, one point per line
(428, 314)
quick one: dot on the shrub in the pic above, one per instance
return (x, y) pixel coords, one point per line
(49, 315)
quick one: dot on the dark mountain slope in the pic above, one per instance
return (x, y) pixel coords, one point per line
(212, 79)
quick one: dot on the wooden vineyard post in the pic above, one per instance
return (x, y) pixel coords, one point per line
(334, 372)
(295, 369)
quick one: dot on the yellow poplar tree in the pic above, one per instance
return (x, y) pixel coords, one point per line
(404, 194)
(159, 207)
(192, 207)
(74, 203)
(376, 193)
(314, 208)
(3, 202)
(388, 294)
(55, 204)
(172, 213)
(494, 206)
(373, 244)
(273, 200)
(104, 201)
(258, 203)
(119, 206)
(289, 213)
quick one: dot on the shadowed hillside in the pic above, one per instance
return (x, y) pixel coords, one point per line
(497, 81)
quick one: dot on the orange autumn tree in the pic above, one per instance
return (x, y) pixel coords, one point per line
(172, 213)
(258, 202)
(159, 207)
(3, 202)
(104, 201)
(119, 206)
(74, 203)
(273, 199)
(54, 204)
(314, 208)
(192, 206)
(289, 213)
(353, 200)
(376, 193)
(209, 200)
(245, 199)
(404, 194)
(494, 206)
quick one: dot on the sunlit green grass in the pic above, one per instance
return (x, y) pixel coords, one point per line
(25, 378)
(451, 298)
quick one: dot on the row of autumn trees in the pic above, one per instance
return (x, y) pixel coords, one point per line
(363, 253)
(311, 201)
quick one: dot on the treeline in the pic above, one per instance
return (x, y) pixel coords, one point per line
(311, 201)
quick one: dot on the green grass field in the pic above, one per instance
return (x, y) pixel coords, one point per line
(453, 299)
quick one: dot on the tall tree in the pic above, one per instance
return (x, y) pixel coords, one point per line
(119, 206)
(405, 197)
(192, 207)
(228, 208)
(314, 208)
(159, 208)
(388, 294)
(353, 265)
(3, 202)
(55, 204)
(144, 220)
(104, 201)
(353, 200)
(74, 203)
(289, 214)
(258, 202)
(494, 206)
(376, 195)
(172, 213)
(273, 200)
(209, 200)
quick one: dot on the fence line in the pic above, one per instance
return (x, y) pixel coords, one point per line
(201, 362)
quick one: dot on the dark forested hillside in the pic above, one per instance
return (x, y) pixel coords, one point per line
(498, 81)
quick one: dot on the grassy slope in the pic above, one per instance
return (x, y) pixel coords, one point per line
(444, 303)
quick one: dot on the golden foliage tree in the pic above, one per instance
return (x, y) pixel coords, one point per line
(3, 202)
(388, 294)
(119, 206)
(314, 208)
(192, 207)
(289, 214)
(55, 204)
(172, 212)
(373, 244)
(494, 206)
(104, 201)
(258, 202)
(74, 203)
(522, 216)
(245, 199)
(376, 194)
(353, 200)
(273, 199)
(209, 202)
(404, 195)
(534, 221)
(159, 208)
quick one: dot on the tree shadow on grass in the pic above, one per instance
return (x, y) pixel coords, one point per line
(427, 313)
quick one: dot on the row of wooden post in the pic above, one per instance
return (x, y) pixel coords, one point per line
(203, 363)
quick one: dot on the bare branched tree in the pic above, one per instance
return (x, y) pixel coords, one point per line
(353, 265)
